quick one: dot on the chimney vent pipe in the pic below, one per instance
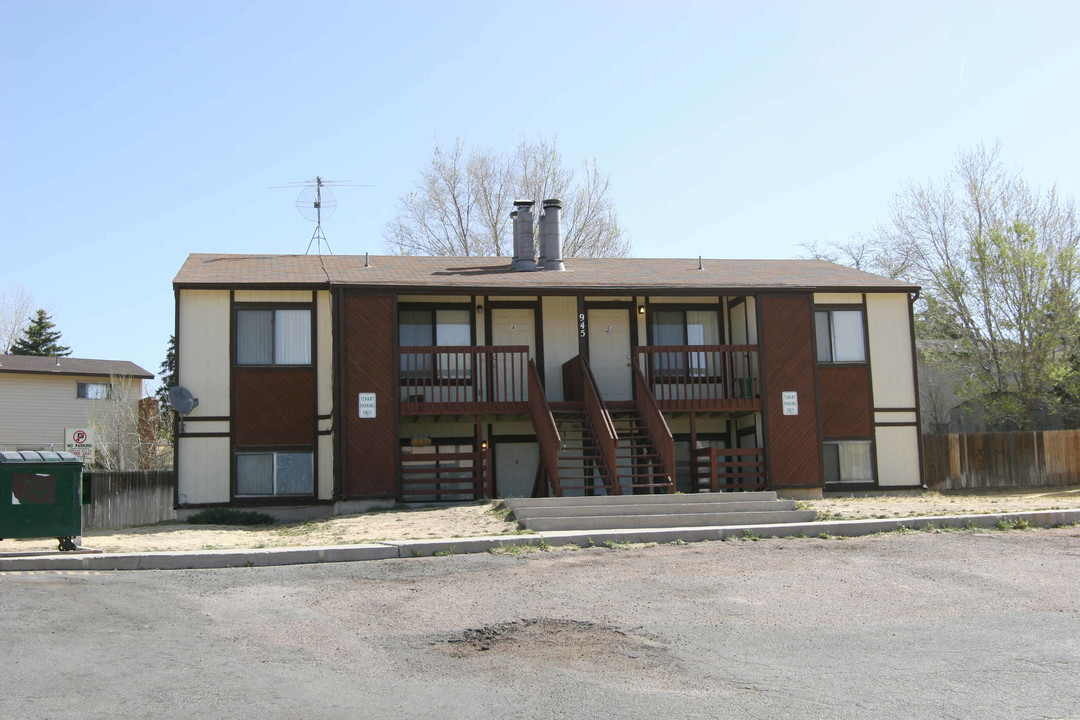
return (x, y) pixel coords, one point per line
(524, 258)
(551, 235)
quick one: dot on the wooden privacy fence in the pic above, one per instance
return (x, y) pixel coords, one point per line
(135, 497)
(1001, 459)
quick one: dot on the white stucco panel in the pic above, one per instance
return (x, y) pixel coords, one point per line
(560, 341)
(204, 349)
(203, 470)
(898, 456)
(891, 359)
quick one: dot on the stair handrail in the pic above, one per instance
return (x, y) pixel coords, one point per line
(655, 424)
(603, 428)
(547, 432)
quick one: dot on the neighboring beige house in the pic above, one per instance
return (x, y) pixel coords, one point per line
(41, 397)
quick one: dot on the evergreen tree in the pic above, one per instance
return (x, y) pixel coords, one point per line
(40, 338)
(167, 375)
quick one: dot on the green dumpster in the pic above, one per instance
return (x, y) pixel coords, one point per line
(41, 496)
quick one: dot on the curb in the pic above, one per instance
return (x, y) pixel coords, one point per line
(210, 559)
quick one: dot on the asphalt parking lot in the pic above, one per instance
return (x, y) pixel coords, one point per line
(958, 625)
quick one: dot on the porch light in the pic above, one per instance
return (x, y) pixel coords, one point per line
(484, 445)
(479, 309)
(640, 309)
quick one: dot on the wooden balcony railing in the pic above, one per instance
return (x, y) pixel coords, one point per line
(464, 379)
(655, 425)
(547, 433)
(718, 469)
(438, 477)
(702, 377)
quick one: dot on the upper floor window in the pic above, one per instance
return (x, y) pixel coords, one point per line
(839, 335)
(273, 337)
(685, 327)
(93, 390)
(449, 327)
(435, 327)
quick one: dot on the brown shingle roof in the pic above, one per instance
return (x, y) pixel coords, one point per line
(606, 274)
(70, 366)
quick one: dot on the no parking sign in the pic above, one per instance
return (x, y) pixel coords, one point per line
(80, 443)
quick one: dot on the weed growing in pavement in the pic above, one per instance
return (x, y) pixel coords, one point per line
(679, 541)
(590, 542)
(903, 530)
(649, 545)
(544, 545)
(512, 549)
(748, 534)
(444, 552)
(616, 545)
(824, 536)
(415, 552)
(799, 534)
(1006, 524)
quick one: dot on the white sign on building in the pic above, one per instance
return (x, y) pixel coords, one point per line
(80, 443)
(367, 405)
(790, 401)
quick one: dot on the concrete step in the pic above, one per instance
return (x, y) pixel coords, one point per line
(635, 522)
(653, 508)
(707, 498)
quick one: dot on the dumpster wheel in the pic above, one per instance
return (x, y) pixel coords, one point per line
(66, 543)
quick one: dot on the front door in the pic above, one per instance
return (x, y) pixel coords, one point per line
(512, 326)
(609, 352)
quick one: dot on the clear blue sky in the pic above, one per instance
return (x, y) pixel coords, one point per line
(134, 133)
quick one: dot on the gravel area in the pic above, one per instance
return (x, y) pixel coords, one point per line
(489, 518)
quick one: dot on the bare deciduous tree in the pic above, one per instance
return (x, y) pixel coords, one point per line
(15, 308)
(999, 263)
(461, 204)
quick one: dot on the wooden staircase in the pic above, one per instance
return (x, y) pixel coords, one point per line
(582, 468)
(638, 465)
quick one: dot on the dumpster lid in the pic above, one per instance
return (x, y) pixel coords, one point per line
(34, 456)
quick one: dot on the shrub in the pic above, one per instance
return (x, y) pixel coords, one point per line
(229, 516)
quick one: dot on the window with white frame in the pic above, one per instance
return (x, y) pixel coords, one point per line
(273, 473)
(93, 390)
(848, 461)
(839, 336)
(273, 336)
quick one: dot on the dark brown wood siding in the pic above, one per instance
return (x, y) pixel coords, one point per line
(274, 407)
(845, 401)
(369, 362)
(787, 346)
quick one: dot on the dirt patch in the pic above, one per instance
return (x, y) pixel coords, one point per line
(472, 520)
(556, 641)
(925, 503)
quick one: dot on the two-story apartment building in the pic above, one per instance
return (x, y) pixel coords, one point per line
(328, 379)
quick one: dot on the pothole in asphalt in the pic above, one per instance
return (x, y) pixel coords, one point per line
(557, 640)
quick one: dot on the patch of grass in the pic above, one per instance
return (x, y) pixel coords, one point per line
(589, 542)
(229, 516)
(824, 536)
(501, 512)
(649, 545)
(904, 530)
(616, 545)
(799, 534)
(446, 552)
(512, 549)
(824, 515)
(748, 534)
(544, 545)
(679, 541)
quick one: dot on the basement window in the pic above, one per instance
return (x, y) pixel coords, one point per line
(848, 461)
(268, 474)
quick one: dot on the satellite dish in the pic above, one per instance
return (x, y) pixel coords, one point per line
(181, 399)
(316, 203)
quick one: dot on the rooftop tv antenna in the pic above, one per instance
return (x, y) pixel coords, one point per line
(316, 202)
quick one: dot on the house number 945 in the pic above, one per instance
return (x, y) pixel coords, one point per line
(581, 324)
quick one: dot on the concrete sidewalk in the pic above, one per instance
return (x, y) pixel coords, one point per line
(459, 546)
